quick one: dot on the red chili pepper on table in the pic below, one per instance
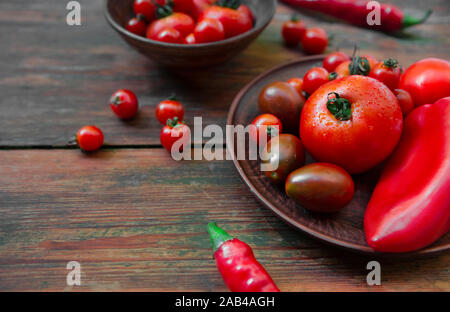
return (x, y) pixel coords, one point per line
(355, 12)
(410, 206)
(237, 264)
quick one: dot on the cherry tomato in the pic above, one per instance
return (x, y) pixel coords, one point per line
(265, 124)
(146, 8)
(282, 100)
(246, 10)
(343, 69)
(282, 155)
(90, 138)
(199, 7)
(137, 25)
(181, 22)
(209, 30)
(124, 104)
(190, 39)
(405, 100)
(427, 81)
(388, 72)
(234, 22)
(293, 31)
(169, 109)
(334, 59)
(169, 35)
(354, 122)
(183, 6)
(174, 131)
(315, 40)
(315, 77)
(321, 187)
(297, 83)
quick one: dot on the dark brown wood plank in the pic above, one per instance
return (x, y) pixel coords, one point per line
(55, 78)
(135, 220)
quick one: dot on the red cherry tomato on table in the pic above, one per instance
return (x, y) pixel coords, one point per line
(315, 77)
(146, 8)
(234, 22)
(427, 80)
(181, 22)
(265, 124)
(209, 30)
(169, 35)
(354, 122)
(169, 109)
(293, 31)
(174, 131)
(388, 72)
(334, 59)
(190, 39)
(246, 10)
(405, 100)
(124, 104)
(315, 40)
(90, 138)
(137, 25)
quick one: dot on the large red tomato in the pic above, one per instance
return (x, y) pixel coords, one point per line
(354, 122)
(427, 81)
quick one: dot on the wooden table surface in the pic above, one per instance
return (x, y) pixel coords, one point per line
(134, 218)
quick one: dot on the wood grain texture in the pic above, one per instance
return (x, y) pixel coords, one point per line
(56, 78)
(135, 220)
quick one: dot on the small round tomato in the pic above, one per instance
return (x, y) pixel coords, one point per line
(169, 109)
(293, 31)
(297, 83)
(282, 100)
(343, 69)
(427, 80)
(137, 25)
(199, 6)
(181, 22)
(388, 72)
(169, 35)
(405, 100)
(315, 40)
(354, 122)
(246, 10)
(146, 8)
(209, 30)
(321, 187)
(90, 138)
(234, 22)
(334, 59)
(124, 104)
(190, 39)
(265, 125)
(316, 77)
(174, 131)
(282, 155)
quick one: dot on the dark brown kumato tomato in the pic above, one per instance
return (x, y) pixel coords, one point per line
(321, 187)
(282, 100)
(282, 155)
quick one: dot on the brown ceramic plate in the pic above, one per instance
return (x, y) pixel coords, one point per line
(343, 229)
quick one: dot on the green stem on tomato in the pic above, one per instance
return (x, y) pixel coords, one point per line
(341, 108)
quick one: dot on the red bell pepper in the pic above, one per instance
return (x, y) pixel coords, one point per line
(355, 12)
(237, 264)
(410, 206)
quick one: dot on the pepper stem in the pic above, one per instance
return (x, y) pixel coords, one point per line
(409, 20)
(217, 235)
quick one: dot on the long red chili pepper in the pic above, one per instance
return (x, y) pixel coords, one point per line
(392, 19)
(237, 264)
(410, 206)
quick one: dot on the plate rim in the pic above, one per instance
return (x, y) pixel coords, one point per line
(330, 240)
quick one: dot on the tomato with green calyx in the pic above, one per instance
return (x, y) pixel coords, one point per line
(169, 109)
(124, 103)
(321, 187)
(174, 131)
(354, 122)
(282, 100)
(293, 31)
(282, 155)
(265, 125)
(147, 8)
(316, 77)
(388, 72)
(181, 22)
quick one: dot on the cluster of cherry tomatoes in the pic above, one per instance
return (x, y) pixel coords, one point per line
(347, 113)
(124, 103)
(190, 21)
(313, 40)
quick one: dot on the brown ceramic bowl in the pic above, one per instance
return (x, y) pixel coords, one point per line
(181, 55)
